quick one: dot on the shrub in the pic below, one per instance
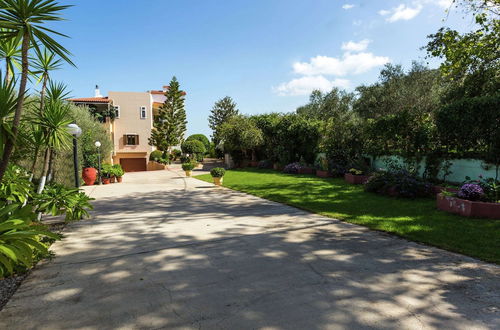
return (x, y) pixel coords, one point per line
(107, 170)
(265, 164)
(188, 166)
(217, 172)
(20, 239)
(155, 156)
(176, 154)
(57, 199)
(193, 147)
(354, 171)
(292, 168)
(185, 159)
(401, 183)
(202, 138)
(118, 170)
(490, 187)
(471, 191)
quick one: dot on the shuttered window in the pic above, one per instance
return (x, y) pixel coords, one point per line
(131, 139)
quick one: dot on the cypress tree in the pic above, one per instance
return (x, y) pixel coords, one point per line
(221, 112)
(169, 125)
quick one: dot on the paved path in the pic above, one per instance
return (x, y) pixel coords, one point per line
(162, 252)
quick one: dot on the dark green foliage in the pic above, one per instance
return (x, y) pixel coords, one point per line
(323, 106)
(156, 155)
(176, 153)
(57, 199)
(471, 127)
(193, 147)
(169, 125)
(202, 138)
(188, 166)
(398, 183)
(217, 172)
(106, 170)
(118, 170)
(221, 112)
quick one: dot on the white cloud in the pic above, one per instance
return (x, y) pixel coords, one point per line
(347, 64)
(401, 12)
(305, 85)
(352, 46)
(446, 4)
(348, 6)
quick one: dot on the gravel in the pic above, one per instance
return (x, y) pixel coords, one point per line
(8, 287)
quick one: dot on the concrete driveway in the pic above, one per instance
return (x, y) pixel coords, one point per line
(162, 251)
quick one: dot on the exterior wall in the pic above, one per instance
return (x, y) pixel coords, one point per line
(131, 123)
(460, 168)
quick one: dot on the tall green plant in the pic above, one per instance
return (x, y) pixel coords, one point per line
(25, 19)
(169, 125)
(10, 52)
(221, 112)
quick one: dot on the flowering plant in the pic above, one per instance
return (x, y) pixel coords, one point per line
(292, 168)
(471, 191)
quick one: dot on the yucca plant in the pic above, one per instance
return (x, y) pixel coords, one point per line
(20, 238)
(8, 103)
(45, 62)
(24, 20)
(10, 52)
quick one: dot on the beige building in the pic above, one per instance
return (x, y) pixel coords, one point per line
(132, 125)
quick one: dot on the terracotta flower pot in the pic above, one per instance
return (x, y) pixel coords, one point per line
(356, 179)
(322, 174)
(112, 179)
(119, 179)
(254, 163)
(89, 175)
(106, 180)
(218, 181)
(306, 170)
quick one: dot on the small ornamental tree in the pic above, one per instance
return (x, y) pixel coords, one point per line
(240, 136)
(194, 148)
(221, 112)
(202, 138)
(169, 125)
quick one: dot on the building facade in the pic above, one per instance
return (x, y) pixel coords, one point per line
(131, 127)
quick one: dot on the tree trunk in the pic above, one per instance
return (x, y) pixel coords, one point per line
(52, 157)
(42, 93)
(33, 166)
(7, 70)
(11, 141)
(45, 170)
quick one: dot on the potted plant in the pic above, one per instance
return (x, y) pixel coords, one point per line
(106, 173)
(188, 168)
(89, 172)
(355, 176)
(217, 174)
(479, 199)
(322, 167)
(118, 172)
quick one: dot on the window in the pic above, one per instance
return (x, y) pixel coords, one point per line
(131, 139)
(143, 113)
(117, 111)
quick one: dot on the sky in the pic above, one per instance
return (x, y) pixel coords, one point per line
(268, 55)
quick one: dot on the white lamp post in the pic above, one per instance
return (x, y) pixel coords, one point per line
(76, 131)
(98, 146)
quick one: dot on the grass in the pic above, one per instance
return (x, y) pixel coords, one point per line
(417, 219)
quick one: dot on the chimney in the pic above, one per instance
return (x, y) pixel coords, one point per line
(97, 91)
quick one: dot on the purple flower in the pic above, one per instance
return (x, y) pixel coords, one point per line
(471, 191)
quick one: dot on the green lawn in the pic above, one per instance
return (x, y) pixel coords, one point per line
(417, 220)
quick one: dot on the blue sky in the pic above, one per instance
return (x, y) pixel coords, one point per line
(266, 54)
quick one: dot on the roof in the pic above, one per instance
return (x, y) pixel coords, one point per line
(91, 100)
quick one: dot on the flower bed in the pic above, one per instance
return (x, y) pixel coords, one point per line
(356, 179)
(468, 208)
(306, 170)
(322, 174)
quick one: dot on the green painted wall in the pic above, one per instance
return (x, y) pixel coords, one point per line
(460, 168)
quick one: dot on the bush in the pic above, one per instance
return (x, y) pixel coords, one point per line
(202, 138)
(118, 170)
(217, 172)
(107, 170)
(188, 166)
(471, 191)
(156, 156)
(265, 164)
(176, 154)
(292, 168)
(193, 147)
(400, 183)
(57, 199)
